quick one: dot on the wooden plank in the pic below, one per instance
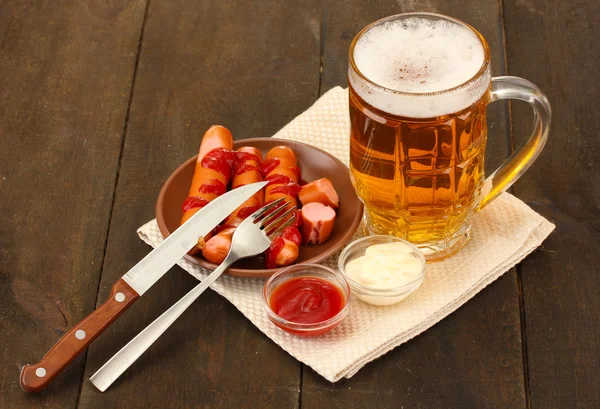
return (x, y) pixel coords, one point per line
(473, 358)
(555, 45)
(251, 66)
(66, 70)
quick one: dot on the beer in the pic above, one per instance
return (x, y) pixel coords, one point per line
(419, 87)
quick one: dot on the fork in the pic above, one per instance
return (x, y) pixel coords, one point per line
(251, 237)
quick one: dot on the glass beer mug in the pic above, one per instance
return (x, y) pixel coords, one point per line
(419, 86)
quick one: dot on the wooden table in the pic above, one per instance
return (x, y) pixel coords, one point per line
(101, 100)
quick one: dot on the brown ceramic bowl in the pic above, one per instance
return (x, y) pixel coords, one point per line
(314, 163)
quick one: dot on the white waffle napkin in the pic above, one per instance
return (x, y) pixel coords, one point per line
(503, 234)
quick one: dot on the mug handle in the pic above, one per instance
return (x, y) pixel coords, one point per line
(514, 167)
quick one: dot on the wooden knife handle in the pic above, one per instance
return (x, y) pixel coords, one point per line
(35, 378)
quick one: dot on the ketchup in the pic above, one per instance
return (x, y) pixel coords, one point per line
(267, 165)
(246, 156)
(292, 234)
(298, 221)
(191, 202)
(274, 249)
(247, 211)
(292, 189)
(224, 155)
(306, 300)
(241, 167)
(277, 179)
(214, 186)
(218, 165)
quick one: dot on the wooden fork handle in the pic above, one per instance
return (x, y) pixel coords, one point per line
(35, 378)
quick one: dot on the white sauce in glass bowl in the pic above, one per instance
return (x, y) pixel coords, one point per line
(386, 273)
(385, 266)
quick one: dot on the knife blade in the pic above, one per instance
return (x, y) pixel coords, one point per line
(132, 285)
(145, 273)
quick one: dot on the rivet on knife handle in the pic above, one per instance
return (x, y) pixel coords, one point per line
(35, 378)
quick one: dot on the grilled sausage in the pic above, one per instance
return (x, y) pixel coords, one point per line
(317, 223)
(284, 250)
(212, 172)
(283, 174)
(216, 248)
(245, 171)
(321, 191)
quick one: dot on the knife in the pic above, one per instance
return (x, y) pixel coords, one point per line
(132, 285)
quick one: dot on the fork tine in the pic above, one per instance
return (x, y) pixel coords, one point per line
(284, 225)
(275, 216)
(272, 226)
(261, 212)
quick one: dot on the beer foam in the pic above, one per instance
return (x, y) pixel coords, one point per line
(419, 56)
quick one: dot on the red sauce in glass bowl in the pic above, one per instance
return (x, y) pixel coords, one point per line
(306, 300)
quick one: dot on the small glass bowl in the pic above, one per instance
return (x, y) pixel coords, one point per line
(372, 295)
(307, 270)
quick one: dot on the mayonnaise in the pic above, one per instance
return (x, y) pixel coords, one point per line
(387, 266)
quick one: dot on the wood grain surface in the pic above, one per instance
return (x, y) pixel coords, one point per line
(252, 68)
(555, 45)
(101, 100)
(65, 77)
